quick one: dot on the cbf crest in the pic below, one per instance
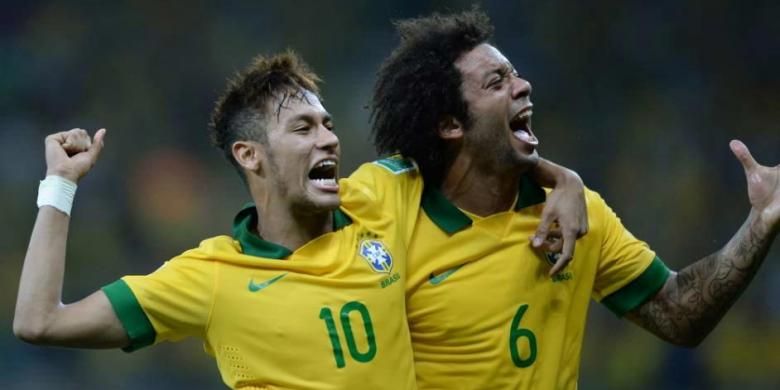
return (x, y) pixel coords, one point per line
(377, 255)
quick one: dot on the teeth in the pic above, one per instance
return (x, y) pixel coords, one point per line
(325, 163)
(325, 181)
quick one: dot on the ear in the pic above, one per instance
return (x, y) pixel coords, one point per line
(450, 128)
(248, 155)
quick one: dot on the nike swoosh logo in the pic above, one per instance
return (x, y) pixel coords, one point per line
(436, 279)
(255, 287)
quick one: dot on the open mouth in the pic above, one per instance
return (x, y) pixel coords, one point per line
(324, 175)
(521, 127)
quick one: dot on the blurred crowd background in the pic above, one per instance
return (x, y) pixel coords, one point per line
(641, 98)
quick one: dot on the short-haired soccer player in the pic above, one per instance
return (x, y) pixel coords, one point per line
(304, 295)
(484, 312)
(308, 293)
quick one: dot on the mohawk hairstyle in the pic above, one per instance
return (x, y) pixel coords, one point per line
(241, 112)
(418, 86)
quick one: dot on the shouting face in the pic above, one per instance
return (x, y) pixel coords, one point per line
(499, 101)
(302, 154)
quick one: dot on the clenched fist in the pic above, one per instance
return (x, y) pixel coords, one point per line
(71, 154)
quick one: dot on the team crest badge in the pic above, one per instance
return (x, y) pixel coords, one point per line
(377, 256)
(552, 258)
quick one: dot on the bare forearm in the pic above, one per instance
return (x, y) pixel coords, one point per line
(693, 301)
(40, 286)
(549, 174)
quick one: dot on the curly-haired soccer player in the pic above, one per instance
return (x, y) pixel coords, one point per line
(484, 311)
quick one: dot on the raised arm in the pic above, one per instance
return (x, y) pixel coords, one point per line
(40, 316)
(694, 300)
(565, 214)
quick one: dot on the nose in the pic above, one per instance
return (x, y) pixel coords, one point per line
(326, 138)
(521, 88)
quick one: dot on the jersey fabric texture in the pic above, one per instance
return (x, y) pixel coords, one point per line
(329, 315)
(484, 312)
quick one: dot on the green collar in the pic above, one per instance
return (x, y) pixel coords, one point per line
(450, 219)
(254, 245)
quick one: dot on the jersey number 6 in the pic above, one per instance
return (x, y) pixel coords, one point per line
(346, 324)
(516, 333)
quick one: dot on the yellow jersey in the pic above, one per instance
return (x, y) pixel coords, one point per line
(329, 315)
(482, 309)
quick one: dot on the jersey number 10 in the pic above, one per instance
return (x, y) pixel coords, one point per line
(346, 325)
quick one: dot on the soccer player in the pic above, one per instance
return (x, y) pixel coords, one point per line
(304, 295)
(308, 293)
(484, 311)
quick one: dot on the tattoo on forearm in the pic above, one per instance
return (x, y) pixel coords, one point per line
(693, 302)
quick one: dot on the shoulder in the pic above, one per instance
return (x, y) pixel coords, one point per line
(396, 164)
(388, 183)
(388, 169)
(209, 250)
(598, 211)
(384, 174)
(595, 202)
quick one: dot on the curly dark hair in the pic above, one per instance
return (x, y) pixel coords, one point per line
(418, 86)
(241, 111)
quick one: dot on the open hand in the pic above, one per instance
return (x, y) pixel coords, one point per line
(71, 154)
(763, 185)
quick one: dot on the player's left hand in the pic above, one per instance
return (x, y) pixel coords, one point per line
(763, 185)
(565, 216)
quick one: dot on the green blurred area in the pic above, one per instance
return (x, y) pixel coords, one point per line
(641, 98)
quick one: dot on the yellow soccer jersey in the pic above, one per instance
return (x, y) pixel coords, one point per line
(329, 315)
(485, 314)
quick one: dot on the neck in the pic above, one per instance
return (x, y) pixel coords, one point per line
(280, 223)
(478, 190)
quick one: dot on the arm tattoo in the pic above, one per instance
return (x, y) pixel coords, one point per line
(694, 300)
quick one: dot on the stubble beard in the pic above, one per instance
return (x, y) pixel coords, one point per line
(494, 153)
(300, 203)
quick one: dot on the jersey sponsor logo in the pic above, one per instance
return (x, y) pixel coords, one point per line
(436, 279)
(395, 164)
(255, 287)
(377, 256)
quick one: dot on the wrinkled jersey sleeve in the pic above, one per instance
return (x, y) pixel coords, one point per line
(391, 185)
(629, 272)
(169, 304)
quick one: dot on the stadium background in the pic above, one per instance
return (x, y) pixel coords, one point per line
(641, 98)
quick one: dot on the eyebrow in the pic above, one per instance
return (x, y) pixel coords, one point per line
(309, 117)
(502, 69)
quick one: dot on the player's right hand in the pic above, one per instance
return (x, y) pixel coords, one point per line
(71, 154)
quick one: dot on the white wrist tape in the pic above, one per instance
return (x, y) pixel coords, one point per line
(57, 192)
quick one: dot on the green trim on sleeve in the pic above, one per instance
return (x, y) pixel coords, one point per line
(639, 290)
(137, 325)
(396, 164)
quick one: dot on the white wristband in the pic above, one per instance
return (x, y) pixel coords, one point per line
(57, 192)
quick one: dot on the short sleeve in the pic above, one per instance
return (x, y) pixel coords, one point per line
(629, 272)
(169, 304)
(390, 186)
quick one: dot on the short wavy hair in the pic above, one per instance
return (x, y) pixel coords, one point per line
(418, 86)
(241, 112)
